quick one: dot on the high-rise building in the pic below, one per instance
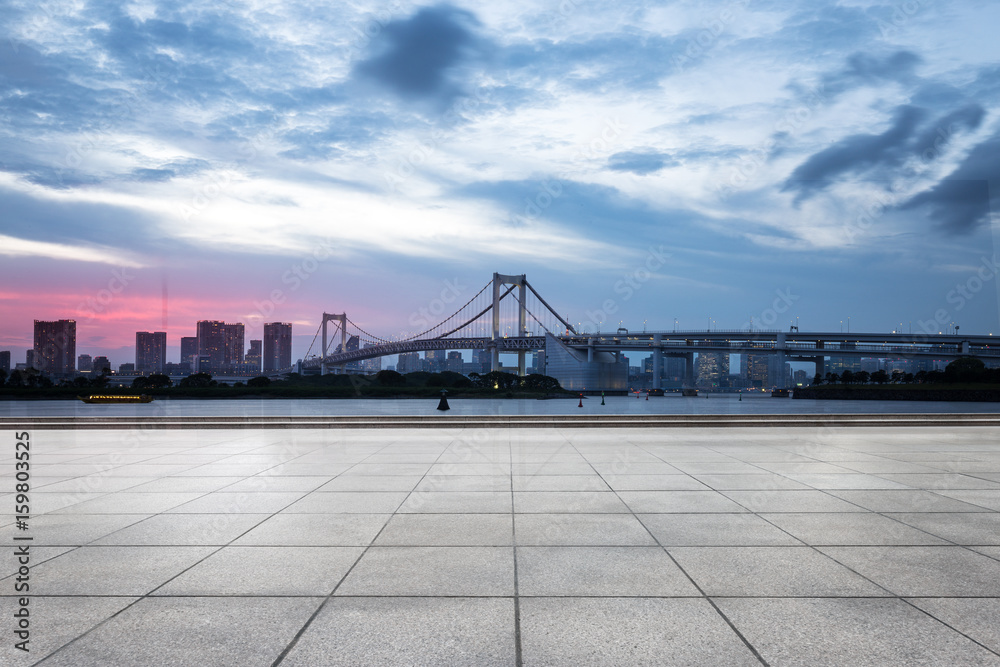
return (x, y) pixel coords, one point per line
(408, 362)
(5, 360)
(255, 355)
(712, 369)
(29, 358)
(84, 363)
(100, 363)
(373, 365)
(150, 351)
(221, 342)
(755, 371)
(212, 341)
(233, 351)
(189, 349)
(55, 347)
(454, 362)
(277, 345)
(436, 360)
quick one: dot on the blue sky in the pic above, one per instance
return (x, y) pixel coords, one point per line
(811, 160)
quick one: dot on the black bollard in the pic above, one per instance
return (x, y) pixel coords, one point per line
(443, 403)
(602, 398)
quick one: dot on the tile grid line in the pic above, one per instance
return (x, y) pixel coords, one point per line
(701, 592)
(149, 593)
(298, 635)
(892, 595)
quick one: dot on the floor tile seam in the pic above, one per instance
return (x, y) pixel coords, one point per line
(950, 542)
(951, 627)
(309, 621)
(701, 592)
(138, 599)
(518, 644)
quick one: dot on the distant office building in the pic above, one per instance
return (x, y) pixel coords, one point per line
(55, 347)
(408, 362)
(754, 371)
(373, 365)
(233, 350)
(29, 358)
(255, 355)
(436, 360)
(100, 363)
(483, 361)
(221, 342)
(126, 369)
(150, 351)
(277, 346)
(454, 362)
(84, 363)
(801, 378)
(212, 341)
(189, 349)
(712, 369)
(5, 360)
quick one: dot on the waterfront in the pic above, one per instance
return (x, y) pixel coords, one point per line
(710, 404)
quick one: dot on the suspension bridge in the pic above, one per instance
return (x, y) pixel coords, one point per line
(509, 316)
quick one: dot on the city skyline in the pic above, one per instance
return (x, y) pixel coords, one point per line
(831, 162)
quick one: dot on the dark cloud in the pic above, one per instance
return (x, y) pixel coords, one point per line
(965, 198)
(906, 139)
(640, 162)
(855, 153)
(416, 57)
(79, 223)
(933, 140)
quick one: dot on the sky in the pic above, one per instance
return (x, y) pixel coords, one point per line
(727, 165)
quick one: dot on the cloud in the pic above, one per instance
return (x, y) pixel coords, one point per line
(854, 154)
(640, 162)
(965, 198)
(863, 69)
(416, 57)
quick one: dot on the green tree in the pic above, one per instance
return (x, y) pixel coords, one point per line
(159, 381)
(389, 378)
(141, 382)
(965, 369)
(881, 377)
(847, 377)
(197, 380)
(259, 381)
(817, 380)
(862, 377)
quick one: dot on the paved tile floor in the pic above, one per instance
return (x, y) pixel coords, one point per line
(775, 546)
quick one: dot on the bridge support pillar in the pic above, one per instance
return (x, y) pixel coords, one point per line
(657, 382)
(342, 320)
(780, 347)
(521, 366)
(590, 350)
(689, 369)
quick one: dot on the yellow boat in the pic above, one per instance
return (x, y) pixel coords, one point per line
(111, 398)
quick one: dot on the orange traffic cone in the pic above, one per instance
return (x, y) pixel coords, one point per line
(581, 401)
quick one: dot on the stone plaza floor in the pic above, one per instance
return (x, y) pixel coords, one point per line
(507, 546)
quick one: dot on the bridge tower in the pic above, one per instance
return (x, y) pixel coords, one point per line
(342, 319)
(498, 281)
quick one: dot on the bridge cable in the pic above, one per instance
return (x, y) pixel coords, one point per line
(474, 317)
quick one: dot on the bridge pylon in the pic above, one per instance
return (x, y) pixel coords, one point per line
(342, 320)
(518, 281)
